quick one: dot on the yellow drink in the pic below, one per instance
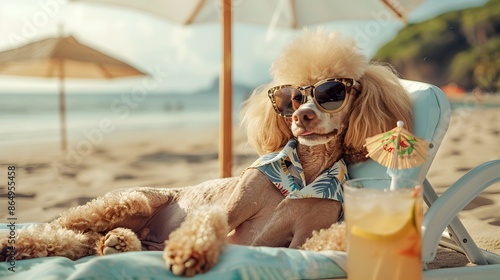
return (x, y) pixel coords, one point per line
(383, 229)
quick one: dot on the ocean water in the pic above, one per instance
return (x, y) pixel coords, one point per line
(28, 116)
(24, 117)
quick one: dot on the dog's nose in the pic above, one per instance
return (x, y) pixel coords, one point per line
(304, 115)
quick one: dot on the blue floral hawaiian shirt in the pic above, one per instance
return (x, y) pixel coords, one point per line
(284, 170)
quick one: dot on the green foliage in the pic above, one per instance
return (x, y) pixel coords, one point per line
(460, 70)
(486, 69)
(461, 46)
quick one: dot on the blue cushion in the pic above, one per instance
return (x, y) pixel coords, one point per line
(237, 262)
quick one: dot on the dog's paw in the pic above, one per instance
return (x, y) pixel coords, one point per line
(118, 240)
(187, 262)
(195, 246)
(332, 238)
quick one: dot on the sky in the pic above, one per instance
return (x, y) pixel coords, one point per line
(178, 58)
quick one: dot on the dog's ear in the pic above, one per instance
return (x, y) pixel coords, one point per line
(266, 130)
(382, 102)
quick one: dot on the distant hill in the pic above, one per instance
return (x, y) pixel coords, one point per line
(461, 47)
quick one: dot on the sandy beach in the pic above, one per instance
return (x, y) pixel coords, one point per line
(49, 182)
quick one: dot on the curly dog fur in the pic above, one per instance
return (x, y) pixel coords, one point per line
(192, 224)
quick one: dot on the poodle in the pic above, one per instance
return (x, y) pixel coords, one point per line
(324, 100)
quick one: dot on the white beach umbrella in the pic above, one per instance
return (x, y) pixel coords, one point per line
(275, 13)
(63, 58)
(281, 13)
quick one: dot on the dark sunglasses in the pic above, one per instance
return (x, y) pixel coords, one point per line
(329, 95)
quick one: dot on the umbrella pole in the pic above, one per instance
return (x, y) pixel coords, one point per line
(62, 108)
(225, 94)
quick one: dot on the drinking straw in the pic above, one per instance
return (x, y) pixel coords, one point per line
(394, 165)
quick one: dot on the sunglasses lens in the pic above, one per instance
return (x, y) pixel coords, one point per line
(330, 95)
(287, 100)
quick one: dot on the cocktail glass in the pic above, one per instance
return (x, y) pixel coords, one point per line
(383, 229)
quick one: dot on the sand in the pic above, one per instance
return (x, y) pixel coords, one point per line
(49, 182)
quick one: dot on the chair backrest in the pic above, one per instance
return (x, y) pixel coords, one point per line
(432, 117)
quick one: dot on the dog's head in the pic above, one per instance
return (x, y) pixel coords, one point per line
(324, 89)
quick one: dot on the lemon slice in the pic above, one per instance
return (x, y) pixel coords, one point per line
(388, 232)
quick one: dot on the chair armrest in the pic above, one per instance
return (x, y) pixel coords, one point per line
(445, 208)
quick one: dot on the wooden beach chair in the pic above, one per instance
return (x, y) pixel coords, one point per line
(432, 116)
